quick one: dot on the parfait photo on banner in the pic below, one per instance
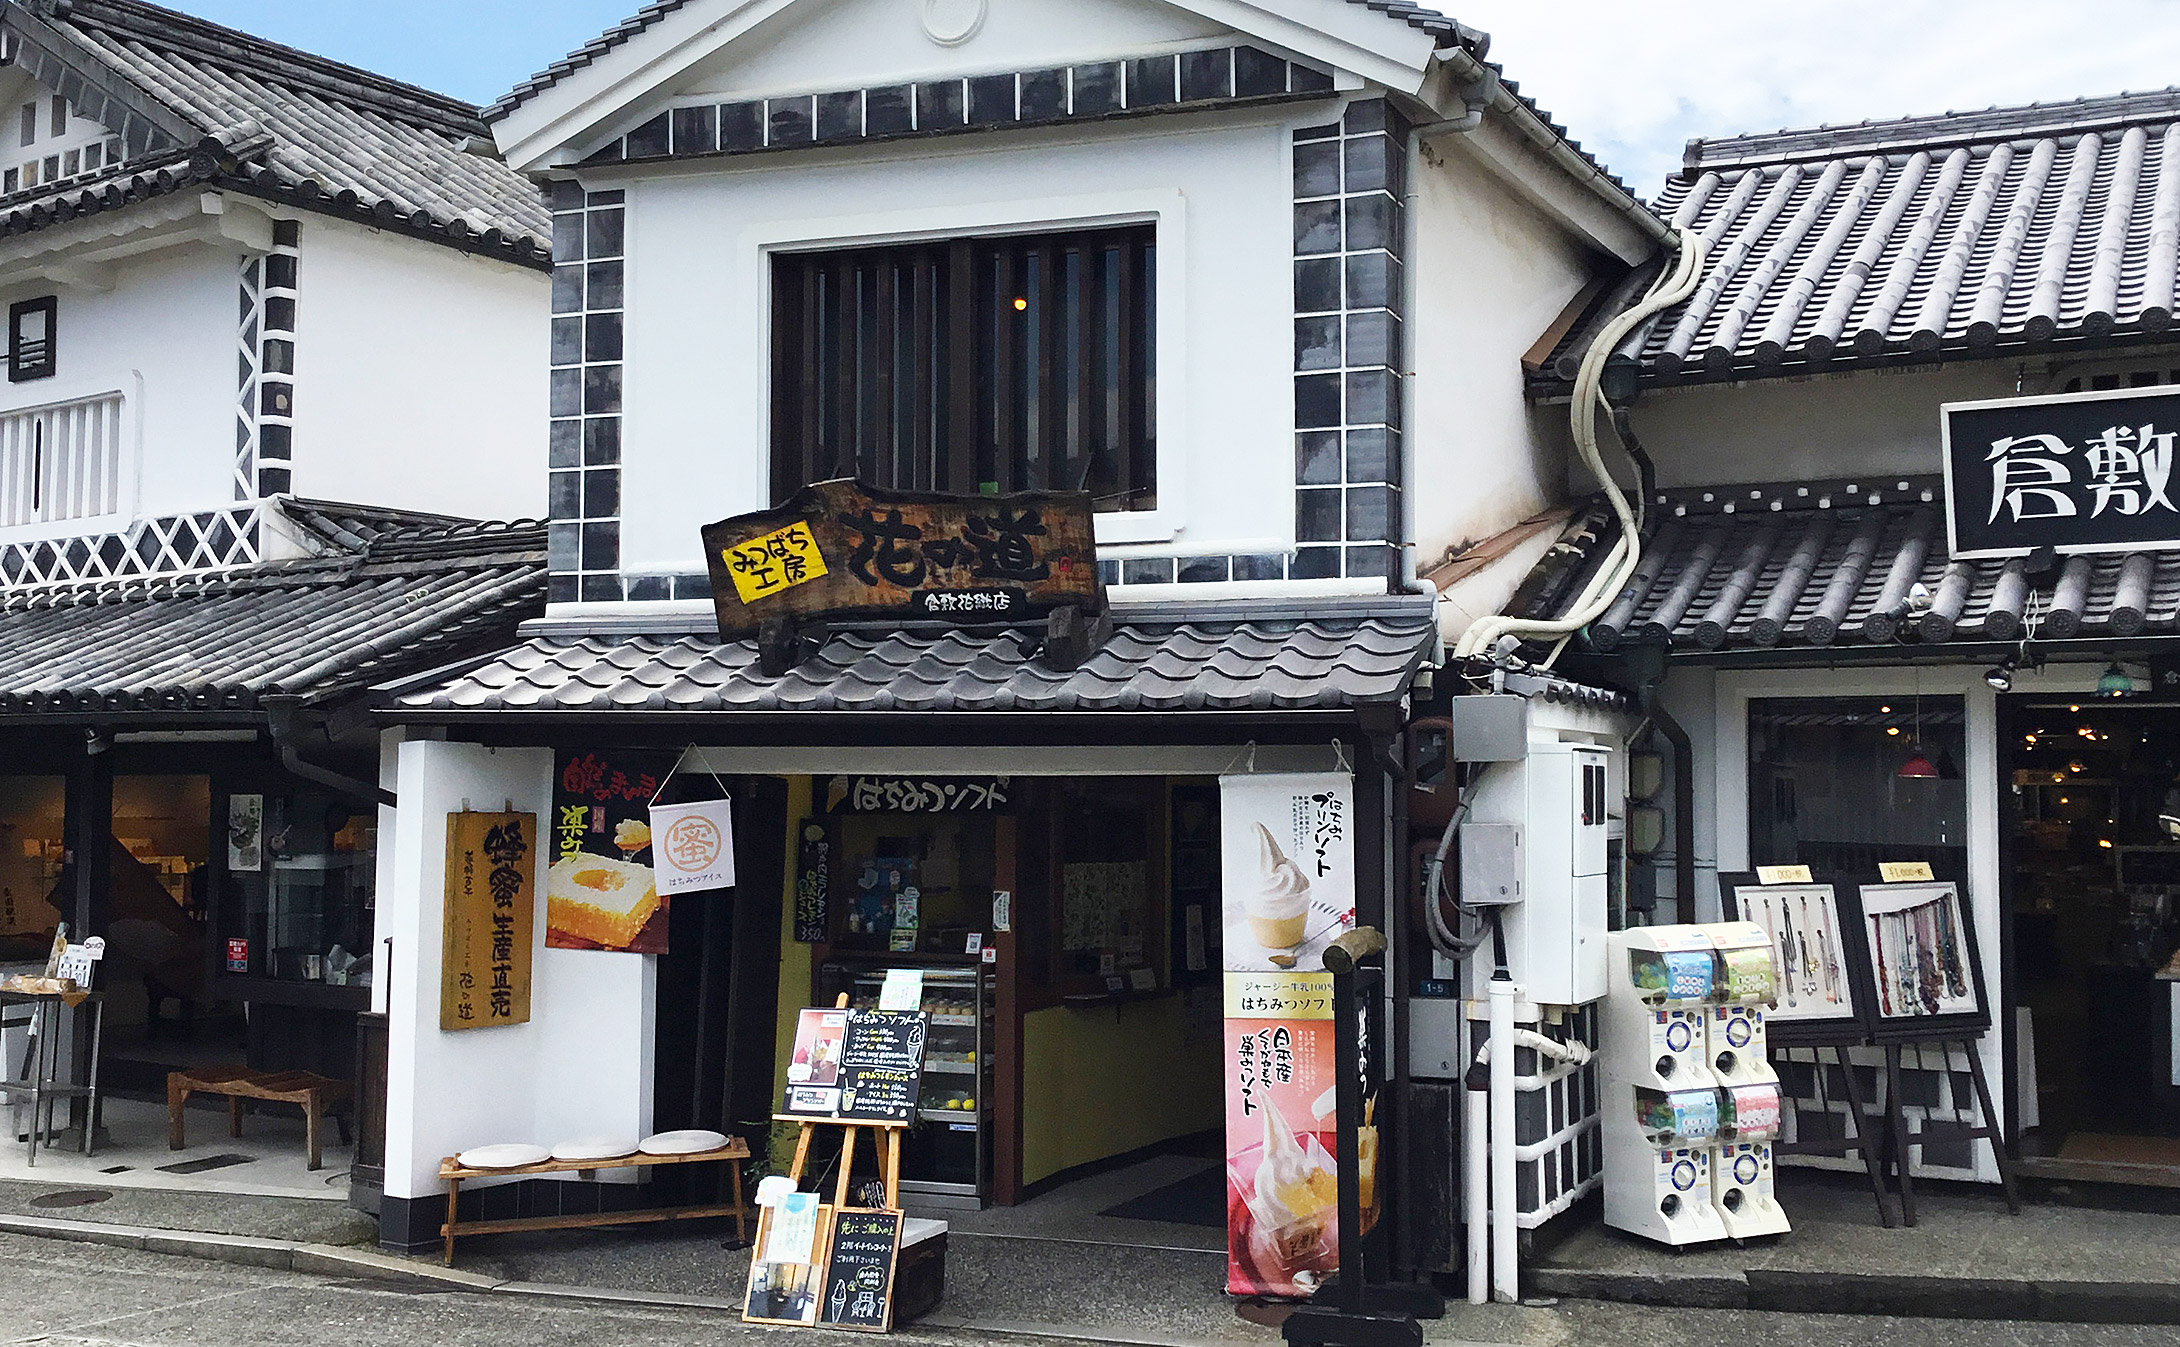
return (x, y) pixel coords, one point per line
(1288, 884)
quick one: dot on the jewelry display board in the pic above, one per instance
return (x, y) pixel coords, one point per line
(1811, 927)
(1921, 972)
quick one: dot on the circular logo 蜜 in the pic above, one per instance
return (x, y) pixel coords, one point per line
(693, 843)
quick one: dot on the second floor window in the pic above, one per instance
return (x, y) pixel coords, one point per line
(971, 366)
(62, 462)
(30, 339)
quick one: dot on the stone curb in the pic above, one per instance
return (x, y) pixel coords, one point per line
(1774, 1291)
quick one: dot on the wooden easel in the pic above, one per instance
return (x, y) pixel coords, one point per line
(888, 1151)
(1861, 1138)
(1956, 1128)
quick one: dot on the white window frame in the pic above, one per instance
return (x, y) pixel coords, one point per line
(1165, 210)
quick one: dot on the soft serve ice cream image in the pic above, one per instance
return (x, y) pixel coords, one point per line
(1283, 1194)
(1277, 902)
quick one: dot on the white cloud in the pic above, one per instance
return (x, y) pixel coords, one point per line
(1634, 82)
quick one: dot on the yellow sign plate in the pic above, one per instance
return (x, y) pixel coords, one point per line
(1903, 872)
(774, 562)
(1783, 874)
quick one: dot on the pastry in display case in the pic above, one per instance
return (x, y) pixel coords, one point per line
(946, 1157)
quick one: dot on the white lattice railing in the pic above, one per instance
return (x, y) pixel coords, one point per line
(213, 540)
(61, 462)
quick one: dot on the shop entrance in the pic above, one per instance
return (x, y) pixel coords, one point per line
(1066, 934)
(236, 914)
(2090, 800)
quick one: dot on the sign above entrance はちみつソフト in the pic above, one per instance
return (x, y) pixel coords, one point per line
(2078, 472)
(841, 549)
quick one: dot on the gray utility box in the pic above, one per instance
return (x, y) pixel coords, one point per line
(1490, 729)
(1491, 864)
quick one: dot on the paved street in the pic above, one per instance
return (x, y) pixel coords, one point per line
(61, 1293)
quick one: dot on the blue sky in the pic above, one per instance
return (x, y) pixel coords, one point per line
(1632, 82)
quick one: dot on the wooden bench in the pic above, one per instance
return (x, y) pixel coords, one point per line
(453, 1172)
(314, 1093)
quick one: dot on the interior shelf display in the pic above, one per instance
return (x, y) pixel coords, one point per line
(1691, 1102)
(945, 1159)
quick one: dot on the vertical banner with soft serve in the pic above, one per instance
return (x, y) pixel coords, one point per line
(1287, 845)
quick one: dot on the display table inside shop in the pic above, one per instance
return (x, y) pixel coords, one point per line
(39, 1077)
(453, 1172)
(313, 1093)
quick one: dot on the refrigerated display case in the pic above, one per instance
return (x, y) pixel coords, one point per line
(946, 1157)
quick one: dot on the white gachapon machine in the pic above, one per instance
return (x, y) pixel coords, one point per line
(1691, 1103)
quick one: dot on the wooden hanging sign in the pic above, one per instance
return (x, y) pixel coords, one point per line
(484, 971)
(842, 549)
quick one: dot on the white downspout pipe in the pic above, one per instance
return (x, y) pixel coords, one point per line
(1476, 1181)
(1505, 1269)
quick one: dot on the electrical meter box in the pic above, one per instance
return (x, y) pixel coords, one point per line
(1544, 820)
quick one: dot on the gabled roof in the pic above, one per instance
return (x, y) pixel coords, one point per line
(2051, 226)
(387, 595)
(198, 104)
(1233, 658)
(1445, 31)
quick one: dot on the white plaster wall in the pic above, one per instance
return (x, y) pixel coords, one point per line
(420, 375)
(696, 406)
(1786, 430)
(164, 338)
(1490, 273)
(863, 42)
(581, 1067)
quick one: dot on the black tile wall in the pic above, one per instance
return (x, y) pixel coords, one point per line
(265, 400)
(583, 540)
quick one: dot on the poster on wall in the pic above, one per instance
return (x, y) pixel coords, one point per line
(484, 971)
(1287, 882)
(245, 833)
(600, 891)
(814, 880)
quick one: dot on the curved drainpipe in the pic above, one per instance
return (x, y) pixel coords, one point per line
(280, 720)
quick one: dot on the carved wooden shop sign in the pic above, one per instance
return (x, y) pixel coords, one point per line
(843, 550)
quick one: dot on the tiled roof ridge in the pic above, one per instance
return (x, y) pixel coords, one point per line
(154, 25)
(1930, 131)
(1447, 31)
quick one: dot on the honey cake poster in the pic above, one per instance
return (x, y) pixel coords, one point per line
(600, 891)
(1287, 862)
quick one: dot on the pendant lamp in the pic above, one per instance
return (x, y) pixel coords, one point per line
(2114, 682)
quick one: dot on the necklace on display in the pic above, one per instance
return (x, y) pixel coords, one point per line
(1884, 973)
(1809, 955)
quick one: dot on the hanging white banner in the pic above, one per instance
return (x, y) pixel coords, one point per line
(692, 846)
(1288, 868)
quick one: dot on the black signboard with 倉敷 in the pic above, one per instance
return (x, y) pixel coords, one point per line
(2079, 472)
(841, 549)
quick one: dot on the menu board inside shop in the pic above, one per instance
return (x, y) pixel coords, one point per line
(859, 1272)
(857, 1065)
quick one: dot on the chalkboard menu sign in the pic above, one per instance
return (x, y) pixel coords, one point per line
(814, 880)
(868, 1070)
(881, 1065)
(859, 1273)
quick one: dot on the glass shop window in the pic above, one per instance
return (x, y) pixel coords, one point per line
(1843, 783)
(300, 875)
(32, 811)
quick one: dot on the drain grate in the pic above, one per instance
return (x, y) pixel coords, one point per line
(200, 1165)
(118, 1169)
(70, 1197)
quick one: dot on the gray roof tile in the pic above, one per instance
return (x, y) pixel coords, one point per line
(1214, 658)
(418, 595)
(241, 112)
(1967, 234)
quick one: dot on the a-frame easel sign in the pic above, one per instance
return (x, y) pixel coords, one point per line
(858, 1071)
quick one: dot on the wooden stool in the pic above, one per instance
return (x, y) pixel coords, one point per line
(314, 1093)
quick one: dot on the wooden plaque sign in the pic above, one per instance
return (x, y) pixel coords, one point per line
(859, 1271)
(484, 976)
(842, 549)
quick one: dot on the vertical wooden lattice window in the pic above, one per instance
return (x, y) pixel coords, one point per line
(30, 339)
(971, 366)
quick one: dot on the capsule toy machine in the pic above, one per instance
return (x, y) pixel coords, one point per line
(1749, 1105)
(1661, 1105)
